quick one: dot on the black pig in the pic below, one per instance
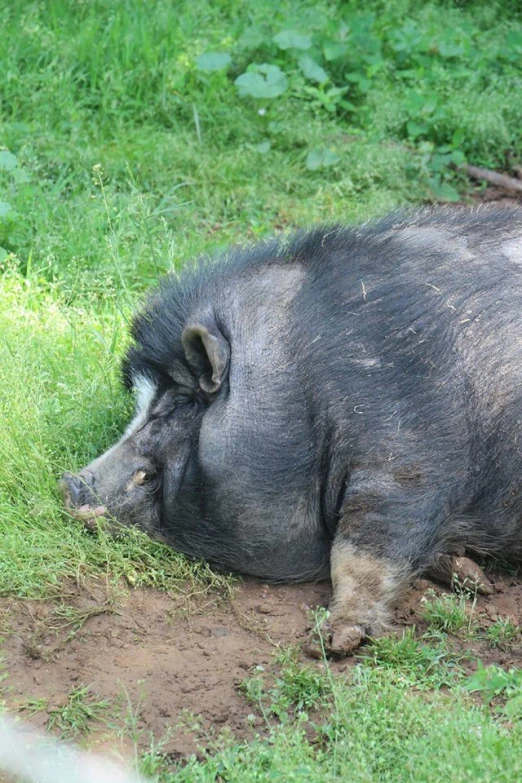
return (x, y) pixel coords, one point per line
(348, 399)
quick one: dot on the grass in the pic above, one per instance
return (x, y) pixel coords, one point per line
(503, 633)
(120, 158)
(372, 728)
(424, 663)
(448, 613)
(78, 713)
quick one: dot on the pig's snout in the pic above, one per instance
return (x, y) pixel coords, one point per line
(80, 498)
(77, 489)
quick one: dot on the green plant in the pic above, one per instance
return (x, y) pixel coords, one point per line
(502, 633)
(493, 683)
(340, 64)
(424, 662)
(296, 689)
(79, 711)
(448, 613)
(33, 706)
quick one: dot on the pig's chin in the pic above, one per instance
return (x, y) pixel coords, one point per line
(88, 515)
(113, 520)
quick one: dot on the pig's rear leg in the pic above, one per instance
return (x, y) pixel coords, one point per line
(459, 572)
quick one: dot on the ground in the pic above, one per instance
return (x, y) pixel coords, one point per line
(177, 667)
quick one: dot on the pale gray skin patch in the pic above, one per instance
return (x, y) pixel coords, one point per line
(512, 250)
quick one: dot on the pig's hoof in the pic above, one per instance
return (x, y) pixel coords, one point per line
(460, 572)
(336, 641)
(466, 573)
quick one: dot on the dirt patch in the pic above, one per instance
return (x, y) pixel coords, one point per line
(165, 665)
(164, 670)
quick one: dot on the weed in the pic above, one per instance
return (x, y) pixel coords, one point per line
(375, 727)
(79, 711)
(448, 613)
(296, 689)
(493, 682)
(423, 662)
(33, 706)
(502, 633)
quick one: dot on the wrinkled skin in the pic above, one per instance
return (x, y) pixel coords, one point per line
(349, 401)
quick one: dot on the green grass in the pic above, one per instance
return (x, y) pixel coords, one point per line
(115, 85)
(448, 613)
(121, 158)
(79, 712)
(373, 729)
(503, 633)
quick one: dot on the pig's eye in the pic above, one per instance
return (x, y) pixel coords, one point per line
(140, 477)
(171, 404)
(181, 404)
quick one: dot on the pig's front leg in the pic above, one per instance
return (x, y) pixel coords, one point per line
(385, 537)
(365, 589)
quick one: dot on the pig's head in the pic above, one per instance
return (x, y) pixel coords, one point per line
(221, 459)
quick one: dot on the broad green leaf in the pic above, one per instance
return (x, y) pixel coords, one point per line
(458, 157)
(321, 158)
(450, 49)
(311, 70)
(5, 209)
(457, 138)
(212, 61)
(20, 176)
(263, 147)
(444, 192)
(291, 39)
(8, 161)
(332, 50)
(430, 103)
(252, 38)
(262, 81)
(415, 130)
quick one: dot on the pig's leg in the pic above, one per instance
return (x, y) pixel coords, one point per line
(457, 572)
(389, 530)
(365, 588)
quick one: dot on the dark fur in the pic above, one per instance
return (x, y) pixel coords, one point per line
(384, 399)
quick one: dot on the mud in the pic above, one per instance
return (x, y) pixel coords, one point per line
(173, 670)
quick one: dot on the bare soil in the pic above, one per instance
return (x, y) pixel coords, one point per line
(176, 668)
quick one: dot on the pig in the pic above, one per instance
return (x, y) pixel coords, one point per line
(345, 401)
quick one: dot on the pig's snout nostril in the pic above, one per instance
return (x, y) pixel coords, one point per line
(75, 488)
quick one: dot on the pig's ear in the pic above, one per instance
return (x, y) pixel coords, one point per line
(207, 354)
